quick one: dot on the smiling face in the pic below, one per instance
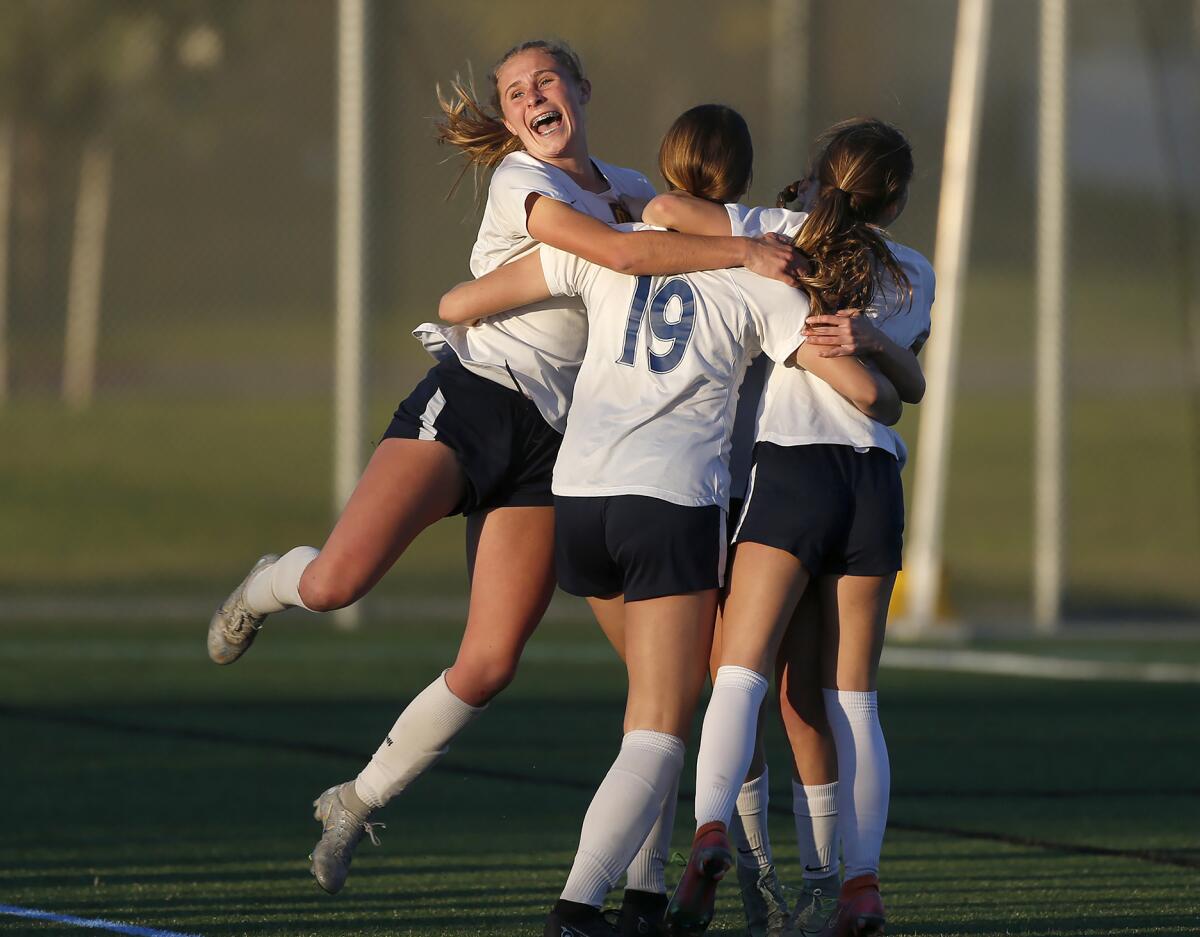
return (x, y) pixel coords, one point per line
(542, 105)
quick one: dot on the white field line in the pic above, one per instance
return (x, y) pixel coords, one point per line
(1009, 664)
(90, 923)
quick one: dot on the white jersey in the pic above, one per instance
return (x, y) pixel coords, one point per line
(798, 409)
(655, 399)
(538, 346)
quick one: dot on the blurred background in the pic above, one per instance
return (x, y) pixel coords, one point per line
(168, 187)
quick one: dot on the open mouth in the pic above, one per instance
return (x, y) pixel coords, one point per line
(546, 123)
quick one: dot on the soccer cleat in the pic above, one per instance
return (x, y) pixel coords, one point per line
(234, 627)
(762, 899)
(860, 909)
(691, 908)
(641, 914)
(571, 919)
(816, 911)
(343, 818)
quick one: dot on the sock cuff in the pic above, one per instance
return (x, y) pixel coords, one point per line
(453, 700)
(660, 743)
(284, 575)
(740, 678)
(815, 800)
(855, 704)
(755, 794)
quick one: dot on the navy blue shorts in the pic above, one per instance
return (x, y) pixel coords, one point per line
(837, 510)
(505, 447)
(639, 547)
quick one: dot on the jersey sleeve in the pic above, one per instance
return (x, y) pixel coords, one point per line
(565, 273)
(512, 184)
(777, 315)
(745, 221)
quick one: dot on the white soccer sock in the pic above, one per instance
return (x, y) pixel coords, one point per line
(727, 742)
(815, 808)
(623, 811)
(278, 586)
(645, 872)
(749, 826)
(420, 737)
(865, 777)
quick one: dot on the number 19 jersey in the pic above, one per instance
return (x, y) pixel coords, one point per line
(656, 394)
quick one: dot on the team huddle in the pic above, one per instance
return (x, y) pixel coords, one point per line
(679, 408)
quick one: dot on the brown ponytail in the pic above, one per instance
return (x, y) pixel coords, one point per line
(708, 153)
(475, 128)
(861, 168)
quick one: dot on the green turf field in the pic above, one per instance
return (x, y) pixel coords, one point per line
(142, 784)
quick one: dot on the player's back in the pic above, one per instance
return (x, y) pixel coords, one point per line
(656, 394)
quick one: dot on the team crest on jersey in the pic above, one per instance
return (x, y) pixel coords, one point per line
(621, 214)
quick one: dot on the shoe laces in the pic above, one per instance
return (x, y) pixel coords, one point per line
(768, 887)
(813, 910)
(240, 618)
(348, 829)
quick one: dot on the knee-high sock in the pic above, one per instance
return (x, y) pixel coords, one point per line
(645, 872)
(749, 828)
(864, 776)
(278, 586)
(816, 811)
(627, 803)
(420, 737)
(727, 742)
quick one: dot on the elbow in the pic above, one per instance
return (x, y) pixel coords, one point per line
(881, 405)
(889, 413)
(658, 212)
(914, 394)
(886, 409)
(621, 258)
(449, 308)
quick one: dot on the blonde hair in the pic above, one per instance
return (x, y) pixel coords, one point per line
(861, 167)
(475, 128)
(708, 152)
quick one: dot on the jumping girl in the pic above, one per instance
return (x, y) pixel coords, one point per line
(479, 435)
(825, 503)
(642, 484)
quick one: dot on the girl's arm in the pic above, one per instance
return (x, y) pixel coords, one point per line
(509, 286)
(654, 252)
(682, 212)
(850, 333)
(856, 380)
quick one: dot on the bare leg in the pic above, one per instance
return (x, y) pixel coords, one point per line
(408, 485)
(610, 615)
(764, 588)
(666, 645)
(512, 580)
(854, 617)
(801, 703)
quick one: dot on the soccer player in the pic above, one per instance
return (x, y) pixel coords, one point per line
(642, 484)
(824, 503)
(479, 435)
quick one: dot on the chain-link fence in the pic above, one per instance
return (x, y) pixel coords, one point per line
(207, 438)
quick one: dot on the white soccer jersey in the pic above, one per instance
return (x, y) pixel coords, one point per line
(539, 346)
(655, 398)
(798, 409)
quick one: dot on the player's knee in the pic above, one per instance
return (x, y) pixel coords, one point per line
(324, 593)
(478, 682)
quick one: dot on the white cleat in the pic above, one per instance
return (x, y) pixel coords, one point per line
(343, 818)
(234, 627)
